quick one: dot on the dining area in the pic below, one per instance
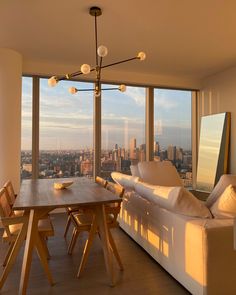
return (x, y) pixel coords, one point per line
(91, 210)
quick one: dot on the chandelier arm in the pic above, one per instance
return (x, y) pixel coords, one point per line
(80, 73)
(92, 89)
(89, 89)
(120, 62)
(114, 88)
(72, 75)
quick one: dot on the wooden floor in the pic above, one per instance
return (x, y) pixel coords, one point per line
(142, 275)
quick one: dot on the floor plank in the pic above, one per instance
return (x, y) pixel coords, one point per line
(141, 275)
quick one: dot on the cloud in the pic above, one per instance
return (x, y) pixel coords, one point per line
(162, 101)
(137, 94)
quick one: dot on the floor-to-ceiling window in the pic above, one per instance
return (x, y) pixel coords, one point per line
(66, 131)
(172, 130)
(123, 129)
(26, 128)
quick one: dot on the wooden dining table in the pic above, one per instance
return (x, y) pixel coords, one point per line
(39, 197)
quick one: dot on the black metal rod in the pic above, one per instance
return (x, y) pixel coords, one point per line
(110, 89)
(99, 73)
(72, 75)
(120, 62)
(102, 67)
(90, 89)
(96, 39)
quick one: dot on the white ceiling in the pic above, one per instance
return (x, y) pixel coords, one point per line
(180, 37)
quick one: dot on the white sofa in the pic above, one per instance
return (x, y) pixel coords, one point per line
(198, 252)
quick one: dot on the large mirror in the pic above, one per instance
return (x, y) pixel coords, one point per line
(213, 150)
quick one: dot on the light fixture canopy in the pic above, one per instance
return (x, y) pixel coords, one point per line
(101, 52)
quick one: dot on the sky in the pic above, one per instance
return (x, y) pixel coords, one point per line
(66, 121)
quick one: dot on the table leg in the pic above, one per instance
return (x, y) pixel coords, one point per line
(32, 240)
(103, 231)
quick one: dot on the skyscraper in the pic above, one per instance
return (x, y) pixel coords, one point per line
(132, 148)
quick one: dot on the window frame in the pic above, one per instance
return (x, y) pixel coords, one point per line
(149, 125)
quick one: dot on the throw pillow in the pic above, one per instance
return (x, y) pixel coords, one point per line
(218, 190)
(159, 173)
(175, 198)
(225, 206)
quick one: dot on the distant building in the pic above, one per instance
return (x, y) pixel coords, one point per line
(132, 148)
(171, 153)
(27, 167)
(86, 167)
(109, 165)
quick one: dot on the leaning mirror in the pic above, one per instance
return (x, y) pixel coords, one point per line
(213, 150)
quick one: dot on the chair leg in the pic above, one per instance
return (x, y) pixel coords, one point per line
(45, 247)
(114, 250)
(8, 254)
(73, 241)
(67, 225)
(87, 247)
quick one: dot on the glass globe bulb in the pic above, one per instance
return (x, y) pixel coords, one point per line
(97, 93)
(102, 51)
(73, 90)
(85, 69)
(122, 88)
(141, 55)
(52, 81)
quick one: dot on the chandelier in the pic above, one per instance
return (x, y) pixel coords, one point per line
(85, 69)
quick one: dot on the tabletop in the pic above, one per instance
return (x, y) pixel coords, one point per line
(40, 193)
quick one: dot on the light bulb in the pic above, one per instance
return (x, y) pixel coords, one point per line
(85, 69)
(122, 88)
(97, 94)
(141, 55)
(73, 90)
(52, 81)
(102, 51)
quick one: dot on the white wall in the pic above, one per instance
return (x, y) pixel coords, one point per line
(217, 95)
(10, 116)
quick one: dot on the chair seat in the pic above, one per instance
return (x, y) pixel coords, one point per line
(82, 219)
(45, 227)
(87, 219)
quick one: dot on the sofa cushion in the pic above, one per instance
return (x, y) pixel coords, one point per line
(218, 190)
(225, 205)
(159, 173)
(134, 170)
(175, 198)
(127, 181)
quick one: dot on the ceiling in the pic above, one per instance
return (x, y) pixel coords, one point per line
(192, 39)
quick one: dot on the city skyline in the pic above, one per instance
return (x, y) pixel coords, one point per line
(66, 121)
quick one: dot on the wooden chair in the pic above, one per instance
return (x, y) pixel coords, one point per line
(101, 181)
(85, 222)
(71, 210)
(10, 192)
(12, 225)
(11, 195)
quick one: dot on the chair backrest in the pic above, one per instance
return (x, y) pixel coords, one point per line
(115, 188)
(10, 192)
(101, 181)
(5, 208)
